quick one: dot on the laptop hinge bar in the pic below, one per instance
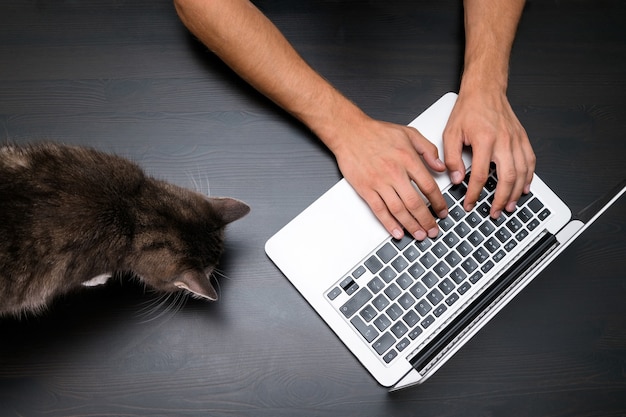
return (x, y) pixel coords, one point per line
(458, 324)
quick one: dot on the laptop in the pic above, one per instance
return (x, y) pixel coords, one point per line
(404, 307)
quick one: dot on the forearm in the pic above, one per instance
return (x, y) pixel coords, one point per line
(490, 27)
(254, 48)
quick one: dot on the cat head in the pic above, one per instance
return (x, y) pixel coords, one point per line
(178, 237)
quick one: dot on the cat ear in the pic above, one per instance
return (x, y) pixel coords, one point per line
(198, 283)
(229, 209)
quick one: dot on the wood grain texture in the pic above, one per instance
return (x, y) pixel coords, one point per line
(126, 77)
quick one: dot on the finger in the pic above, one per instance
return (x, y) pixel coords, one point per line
(380, 210)
(504, 197)
(408, 208)
(478, 177)
(452, 150)
(531, 161)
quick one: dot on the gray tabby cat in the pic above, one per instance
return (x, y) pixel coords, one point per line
(73, 216)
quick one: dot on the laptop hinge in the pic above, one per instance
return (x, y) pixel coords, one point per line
(448, 335)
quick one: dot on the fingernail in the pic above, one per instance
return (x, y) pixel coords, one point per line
(443, 214)
(440, 163)
(511, 206)
(456, 176)
(432, 233)
(420, 235)
(397, 234)
(469, 207)
(497, 214)
(527, 189)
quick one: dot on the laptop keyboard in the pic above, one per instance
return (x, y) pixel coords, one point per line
(404, 288)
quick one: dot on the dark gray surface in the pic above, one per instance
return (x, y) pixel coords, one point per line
(125, 76)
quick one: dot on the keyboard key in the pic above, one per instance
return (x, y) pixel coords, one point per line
(384, 343)
(446, 223)
(428, 260)
(464, 248)
(427, 321)
(473, 219)
(402, 344)
(440, 310)
(510, 245)
(399, 329)
(388, 274)
(450, 240)
(469, 265)
(414, 333)
(381, 302)
(382, 322)
(462, 229)
(423, 307)
(521, 235)
(523, 198)
(487, 228)
(424, 244)
(498, 221)
(439, 250)
(376, 285)
(404, 281)
(358, 300)
(475, 238)
(368, 313)
(476, 276)
(453, 258)
(394, 312)
(449, 200)
(411, 253)
(406, 301)
(399, 264)
(368, 332)
(411, 318)
(357, 273)
(386, 253)
(481, 255)
(441, 269)
(514, 225)
(535, 205)
(435, 297)
(373, 264)
(446, 286)
(484, 209)
(524, 215)
(416, 270)
(402, 243)
(393, 291)
(458, 275)
(533, 224)
(463, 288)
(334, 293)
(389, 356)
(490, 185)
(430, 279)
(418, 290)
(498, 256)
(458, 191)
(492, 244)
(503, 235)
(452, 299)
(487, 266)
(456, 212)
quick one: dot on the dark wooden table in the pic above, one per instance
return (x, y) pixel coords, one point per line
(125, 76)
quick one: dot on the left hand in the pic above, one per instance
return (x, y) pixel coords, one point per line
(486, 122)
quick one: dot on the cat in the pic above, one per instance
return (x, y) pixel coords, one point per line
(73, 216)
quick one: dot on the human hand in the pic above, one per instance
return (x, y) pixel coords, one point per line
(379, 160)
(486, 122)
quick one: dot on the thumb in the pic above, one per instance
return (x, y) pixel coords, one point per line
(428, 151)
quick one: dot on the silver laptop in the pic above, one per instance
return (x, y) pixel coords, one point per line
(404, 307)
